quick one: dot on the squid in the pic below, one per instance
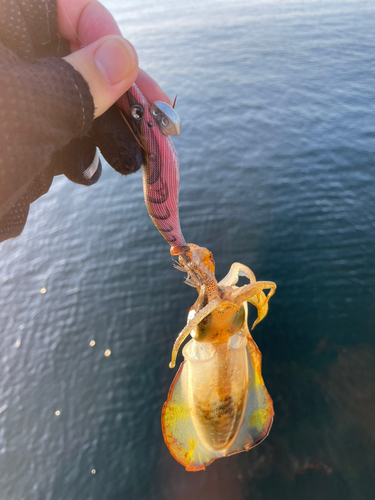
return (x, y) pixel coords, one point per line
(217, 404)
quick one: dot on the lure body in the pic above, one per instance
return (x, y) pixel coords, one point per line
(218, 404)
(152, 125)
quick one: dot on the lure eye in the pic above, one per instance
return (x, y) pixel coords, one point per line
(137, 111)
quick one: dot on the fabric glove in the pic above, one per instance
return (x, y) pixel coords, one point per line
(47, 124)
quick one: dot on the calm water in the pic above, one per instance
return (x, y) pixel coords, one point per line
(277, 154)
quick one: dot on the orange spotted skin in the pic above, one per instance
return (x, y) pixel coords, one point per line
(220, 324)
(218, 404)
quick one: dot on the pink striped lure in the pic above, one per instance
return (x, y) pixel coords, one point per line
(152, 125)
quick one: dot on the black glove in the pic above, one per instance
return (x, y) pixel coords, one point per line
(46, 115)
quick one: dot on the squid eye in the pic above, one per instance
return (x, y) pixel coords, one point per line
(137, 111)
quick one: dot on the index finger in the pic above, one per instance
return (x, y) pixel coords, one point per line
(84, 21)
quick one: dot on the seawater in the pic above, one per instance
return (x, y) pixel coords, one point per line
(277, 101)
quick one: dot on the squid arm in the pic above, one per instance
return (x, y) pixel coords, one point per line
(236, 270)
(213, 304)
(254, 294)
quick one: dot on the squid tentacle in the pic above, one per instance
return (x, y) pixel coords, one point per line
(213, 304)
(248, 291)
(236, 270)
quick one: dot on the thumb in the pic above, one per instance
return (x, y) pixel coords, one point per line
(109, 66)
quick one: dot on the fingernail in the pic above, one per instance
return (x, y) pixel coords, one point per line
(115, 59)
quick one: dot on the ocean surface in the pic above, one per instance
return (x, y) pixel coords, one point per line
(277, 155)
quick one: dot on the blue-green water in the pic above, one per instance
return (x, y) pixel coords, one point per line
(277, 101)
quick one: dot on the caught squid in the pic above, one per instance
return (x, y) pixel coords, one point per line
(218, 404)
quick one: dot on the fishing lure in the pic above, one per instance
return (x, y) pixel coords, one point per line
(217, 404)
(152, 126)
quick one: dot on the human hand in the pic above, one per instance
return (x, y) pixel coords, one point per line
(51, 89)
(109, 64)
(104, 58)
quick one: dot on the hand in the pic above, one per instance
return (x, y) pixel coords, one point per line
(48, 103)
(107, 61)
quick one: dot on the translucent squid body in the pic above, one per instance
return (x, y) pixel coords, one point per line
(217, 404)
